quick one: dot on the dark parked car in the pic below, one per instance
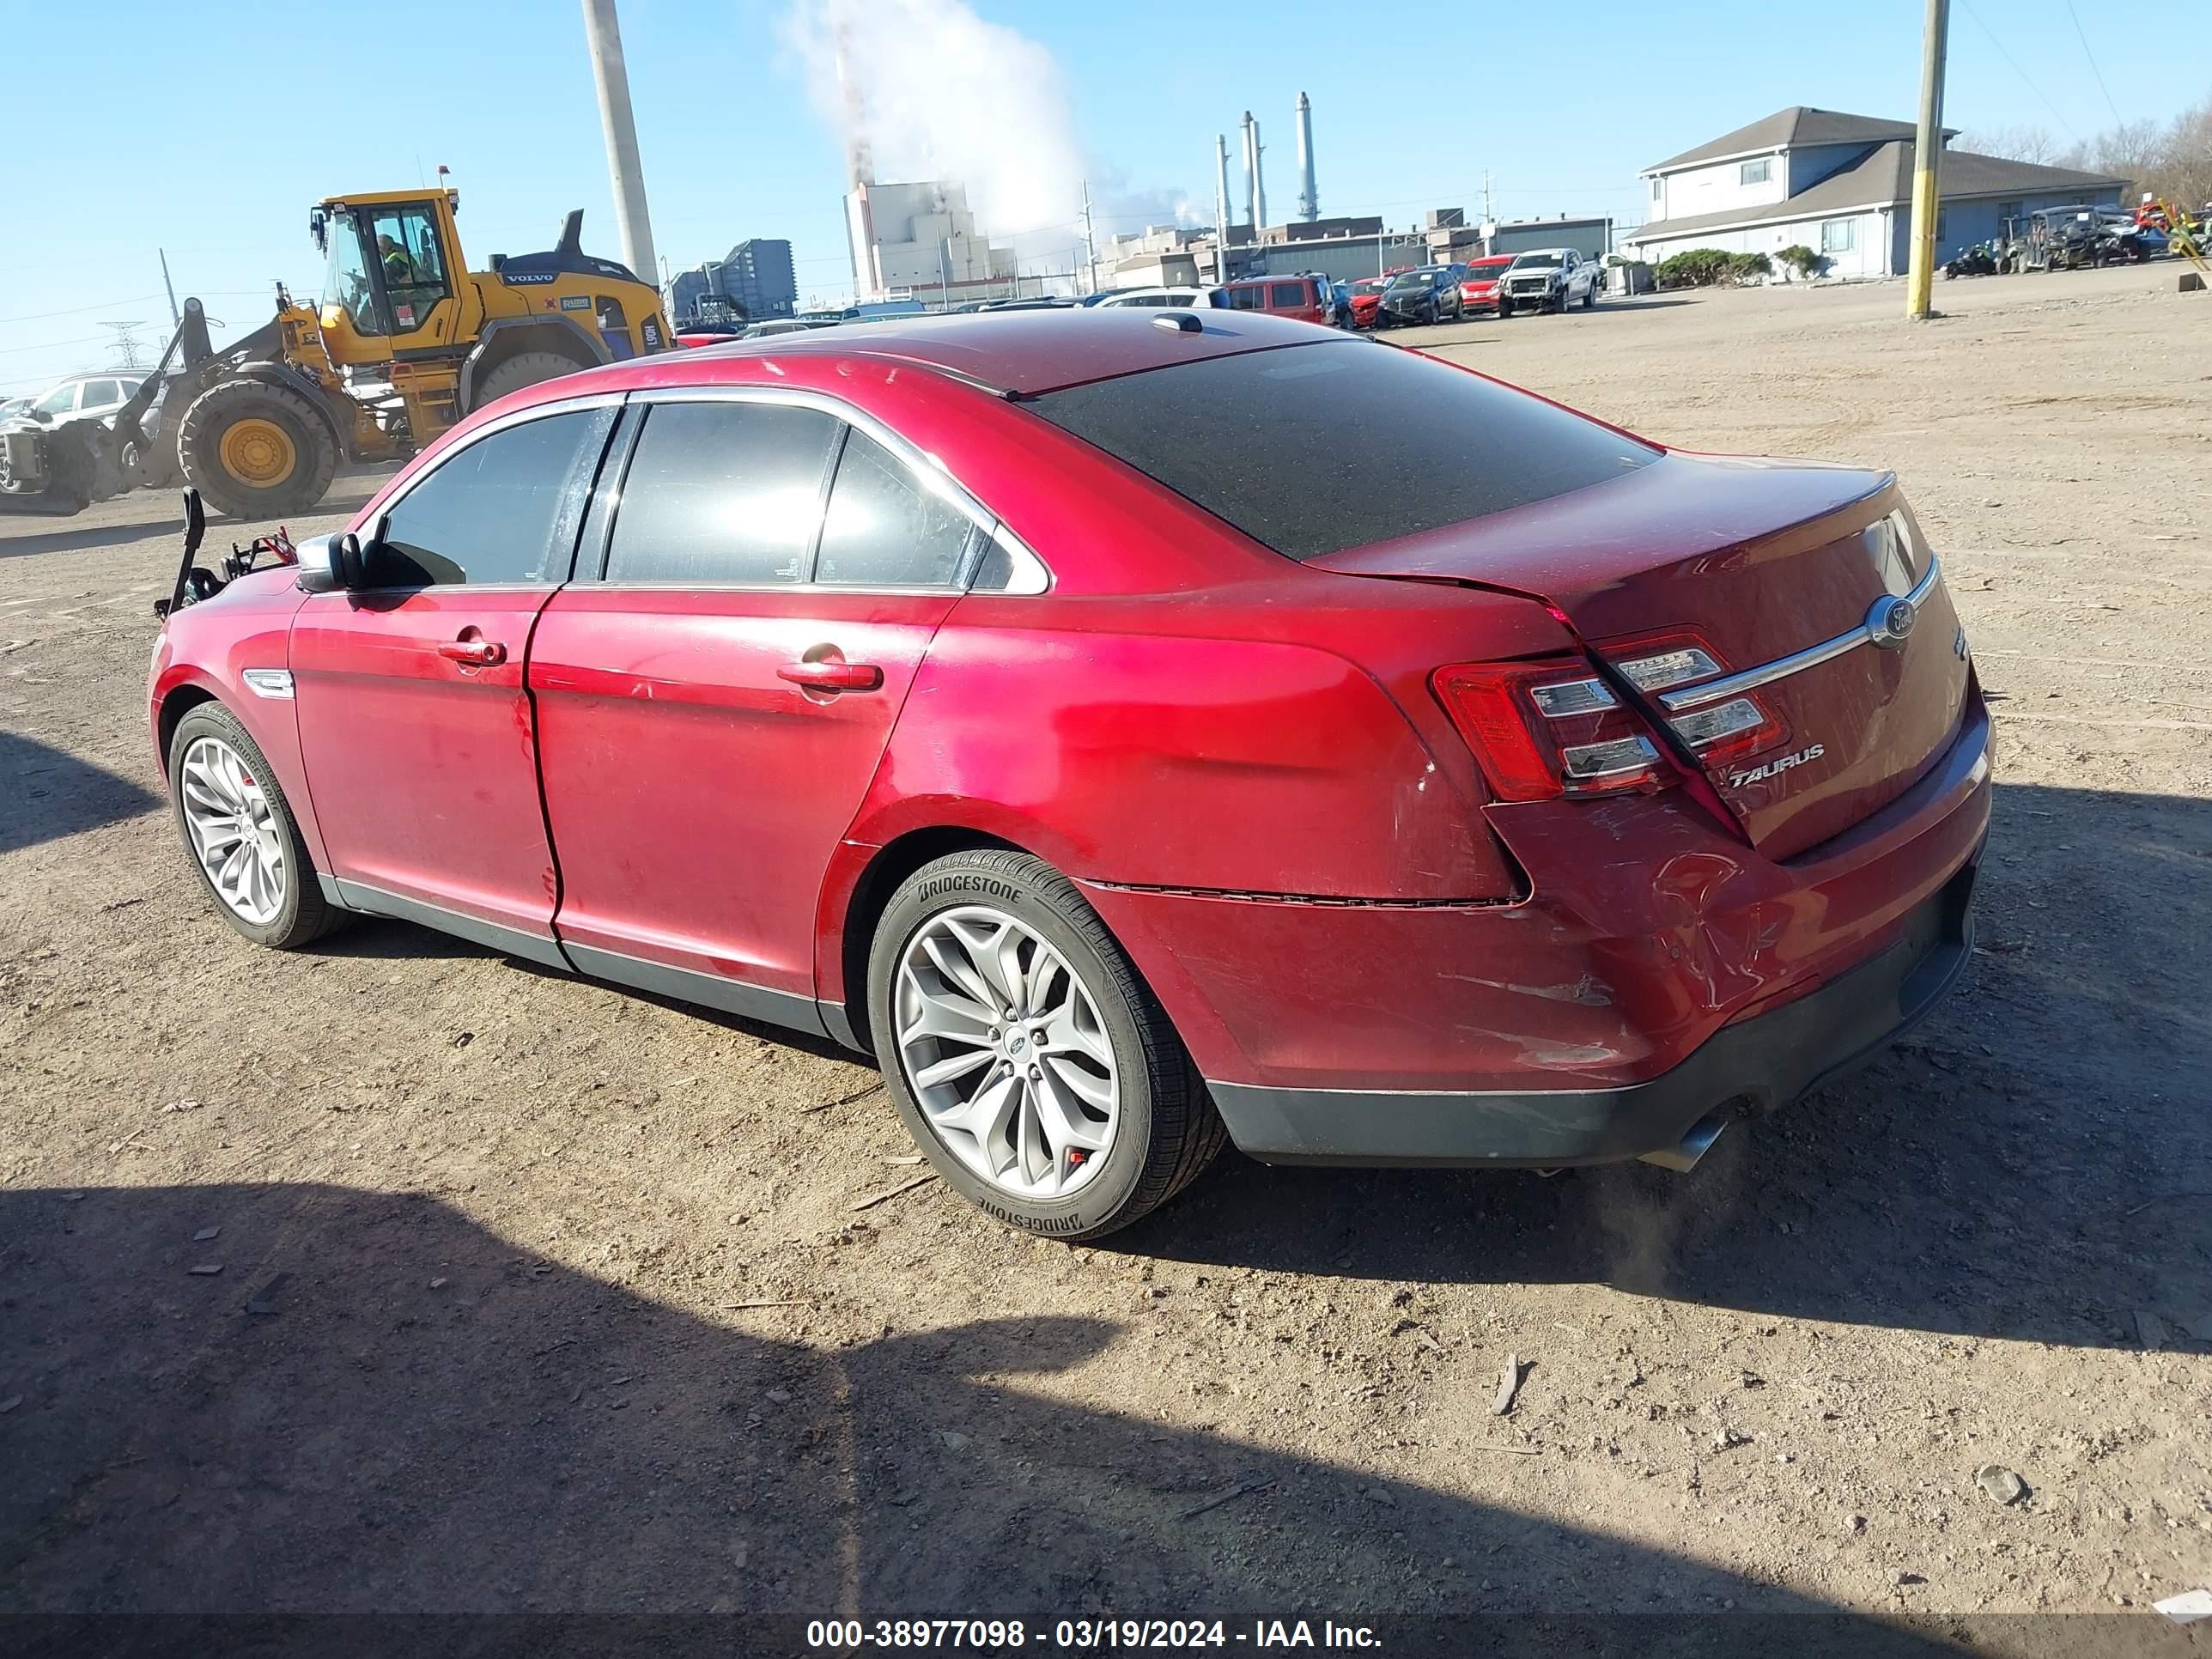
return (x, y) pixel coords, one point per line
(1140, 731)
(1427, 294)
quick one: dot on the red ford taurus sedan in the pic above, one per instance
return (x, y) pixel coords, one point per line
(1133, 731)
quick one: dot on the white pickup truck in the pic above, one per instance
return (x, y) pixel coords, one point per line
(1549, 279)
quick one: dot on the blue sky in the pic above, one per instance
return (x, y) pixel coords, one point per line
(207, 129)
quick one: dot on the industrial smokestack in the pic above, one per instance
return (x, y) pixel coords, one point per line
(1220, 205)
(1259, 181)
(1309, 201)
(1251, 172)
(631, 220)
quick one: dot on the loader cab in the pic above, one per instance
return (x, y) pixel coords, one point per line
(394, 281)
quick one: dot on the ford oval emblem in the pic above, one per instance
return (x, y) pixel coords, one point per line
(1889, 624)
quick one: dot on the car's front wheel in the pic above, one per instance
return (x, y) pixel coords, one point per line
(241, 833)
(1028, 1062)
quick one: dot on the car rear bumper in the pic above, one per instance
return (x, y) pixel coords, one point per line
(1657, 968)
(1766, 1062)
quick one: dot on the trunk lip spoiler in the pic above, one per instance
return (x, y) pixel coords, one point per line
(1867, 632)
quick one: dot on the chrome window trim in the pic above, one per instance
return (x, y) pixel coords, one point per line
(575, 406)
(1696, 696)
(929, 470)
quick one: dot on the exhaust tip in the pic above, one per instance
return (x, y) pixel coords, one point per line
(1696, 1142)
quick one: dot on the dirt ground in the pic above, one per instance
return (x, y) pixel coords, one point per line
(536, 1295)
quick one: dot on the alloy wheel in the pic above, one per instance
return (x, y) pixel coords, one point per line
(234, 831)
(1003, 1045)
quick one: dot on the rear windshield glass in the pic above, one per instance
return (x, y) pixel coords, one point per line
(1313, 449)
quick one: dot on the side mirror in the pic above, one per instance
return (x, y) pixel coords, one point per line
(329, 563)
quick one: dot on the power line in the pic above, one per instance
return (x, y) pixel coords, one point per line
(2117, 120)
(2018, 71)
(53, 345)
(79, 311)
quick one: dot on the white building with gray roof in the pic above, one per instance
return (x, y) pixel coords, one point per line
(1841, 185)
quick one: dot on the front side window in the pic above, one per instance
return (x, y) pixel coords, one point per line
(1756, 172)
(346, 286)
(1309, 449)
(722, 494)
(1837, 235)
(60, 401)
(884, 530)
(490, 514)
(1288, 295)
(414, 269)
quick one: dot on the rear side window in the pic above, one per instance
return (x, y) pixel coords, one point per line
(1287, 294)
(883, 529)
(1312, 449)
(722, 494)
(495, 512)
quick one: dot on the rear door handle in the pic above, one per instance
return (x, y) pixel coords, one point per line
(476, 654)
(832, 675)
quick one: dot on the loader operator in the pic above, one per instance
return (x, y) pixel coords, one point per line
(399, 271)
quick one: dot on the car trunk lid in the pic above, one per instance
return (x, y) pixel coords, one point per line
(1762, 561)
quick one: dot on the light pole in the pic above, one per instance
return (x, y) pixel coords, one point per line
(622, 167)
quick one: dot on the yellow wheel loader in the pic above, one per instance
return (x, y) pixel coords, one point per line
(405, 341)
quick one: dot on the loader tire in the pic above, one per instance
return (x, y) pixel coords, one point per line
(522, 369)
(256, 450)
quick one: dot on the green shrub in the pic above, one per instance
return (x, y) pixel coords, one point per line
(1802, 260)
(1707, 267)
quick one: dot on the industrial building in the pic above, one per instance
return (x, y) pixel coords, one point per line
(922, 240)
(1450, 238)
(1841, 185)
(756, 277)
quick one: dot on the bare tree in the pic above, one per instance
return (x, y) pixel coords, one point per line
(2171, 159)
(2183, 174)
(2014, 143)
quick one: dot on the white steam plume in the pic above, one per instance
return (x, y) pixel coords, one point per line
(942, 93)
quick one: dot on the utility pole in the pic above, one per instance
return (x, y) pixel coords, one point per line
(1090, 242)
(175, 320)
(1927, 158)
(631, 220)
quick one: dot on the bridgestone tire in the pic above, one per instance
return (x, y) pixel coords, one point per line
(1168, 1130)
(522, 369)
(222, 406)
(304, 916)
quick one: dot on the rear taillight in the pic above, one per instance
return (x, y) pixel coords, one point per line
(1549, 728)
(1720, 732)
(1552, 727)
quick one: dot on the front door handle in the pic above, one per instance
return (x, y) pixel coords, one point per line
(476, 653)
(832, 674)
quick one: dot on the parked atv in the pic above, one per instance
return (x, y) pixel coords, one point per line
(1979, 260)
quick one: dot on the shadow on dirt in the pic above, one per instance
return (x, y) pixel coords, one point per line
(378, 1405)
(45, 794)
(2007, 1171)
(70, 541)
